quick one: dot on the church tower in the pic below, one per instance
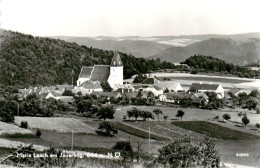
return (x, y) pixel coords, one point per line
(116, 71)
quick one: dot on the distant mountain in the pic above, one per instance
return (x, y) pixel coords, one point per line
(138, 48)
(150, 46)
(238, 52)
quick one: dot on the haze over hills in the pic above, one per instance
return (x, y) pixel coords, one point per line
(242, 48)
(231, 51)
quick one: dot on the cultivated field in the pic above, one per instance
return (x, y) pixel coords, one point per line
(64, 125)
(6, 128)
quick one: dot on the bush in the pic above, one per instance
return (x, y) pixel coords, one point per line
(245, 120)
(226, 116)
(24, 124)
(38, 132)
(126, 148)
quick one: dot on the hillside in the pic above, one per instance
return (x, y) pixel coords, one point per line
(223, 48)
(27, 60)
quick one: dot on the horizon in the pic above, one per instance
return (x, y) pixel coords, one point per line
(117, 18)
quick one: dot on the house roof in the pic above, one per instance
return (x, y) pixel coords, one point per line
(116, 60)
(65, 86)
(176, 95)
(156, 87)
(107, 94)
(151, 80)
(200, 95)
(174, 86)
(85, 72)
(90, 85)
(55, 93)
(66, 99)
(199, 86)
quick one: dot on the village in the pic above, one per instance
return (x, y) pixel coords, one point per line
(162, 91)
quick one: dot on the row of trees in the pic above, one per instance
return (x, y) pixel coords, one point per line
(208, 63)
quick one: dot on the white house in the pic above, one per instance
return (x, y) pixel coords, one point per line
(112, 73)
(176, 87)
(200, 87)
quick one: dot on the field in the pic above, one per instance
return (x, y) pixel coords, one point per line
(214, 130)
(6, 128)
(64, 125)
(193, 114)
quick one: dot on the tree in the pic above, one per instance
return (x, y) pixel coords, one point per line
(106, 128)
(146, 115)
(180, 113)
(166, 90)
(226, 116)
(257, 125)
(105, 86)
(165, 117)
(68, 93)
(245, 120)
(133, 112)
(126, 149)
(106, 112)
(38, 132)
(157, 112)
(24, 124)
(183, 153)
(139, 78)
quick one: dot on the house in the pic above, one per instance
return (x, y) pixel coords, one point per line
(24, 92)
(107, 94)
(176, 87)
(126, 88)
(200, 87)
(88, 87)
(155, 89)
(55, 94)
(199, 98)
(113, 73)
(151, 80)
(66, 99)
(174, 96)
(130, 95)
(64, 87)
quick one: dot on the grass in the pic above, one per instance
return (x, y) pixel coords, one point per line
(138, 132)
(214, 130)
(19, 135)
(6, 151)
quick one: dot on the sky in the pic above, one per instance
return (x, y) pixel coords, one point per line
(130, 17)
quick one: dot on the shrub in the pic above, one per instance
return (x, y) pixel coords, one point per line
(6, 117)
(24, 124)
(126, 148)
(180, 113)
(226, 116)
(245, 120)
(38, 132)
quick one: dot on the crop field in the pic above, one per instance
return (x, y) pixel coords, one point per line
(6, 128)
(64, 125)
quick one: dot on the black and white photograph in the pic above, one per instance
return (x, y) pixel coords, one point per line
(129, 83)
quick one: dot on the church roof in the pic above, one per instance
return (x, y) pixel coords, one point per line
(85, 72)
(116, 61)
(100, 73)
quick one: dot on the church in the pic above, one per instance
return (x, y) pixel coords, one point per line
(112, 73)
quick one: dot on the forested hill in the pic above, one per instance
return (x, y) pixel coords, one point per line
(27, 60)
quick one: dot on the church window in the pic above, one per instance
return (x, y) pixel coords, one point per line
(114, 62)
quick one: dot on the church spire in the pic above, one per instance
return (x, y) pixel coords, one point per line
(116, 61)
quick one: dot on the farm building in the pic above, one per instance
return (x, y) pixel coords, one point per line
(155, 89)
(151, 80)
(200, 87)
